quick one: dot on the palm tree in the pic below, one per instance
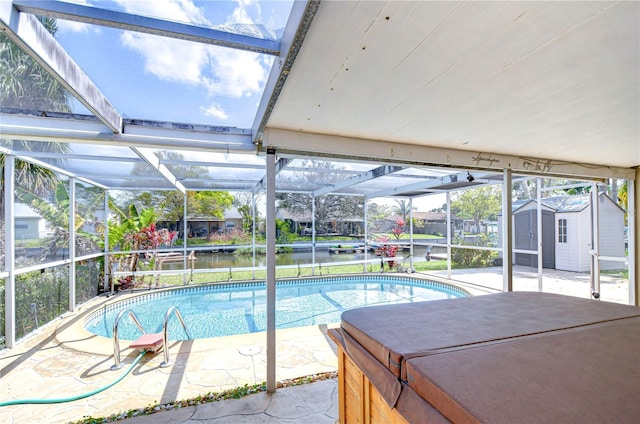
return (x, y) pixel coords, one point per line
(402, 208)
(24, 84)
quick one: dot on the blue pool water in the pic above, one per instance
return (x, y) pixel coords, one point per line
(239, 308)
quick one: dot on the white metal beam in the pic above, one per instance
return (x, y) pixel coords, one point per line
(155, 134)
(507, 232)
(72, 244)
(595, 241)
(106, 249)
(73, 156)
(33, 38)
(153, 160)
(365, 176)
(430, 183)
(633, 237)
(59, 170)
(216, 164)
(271, 270)
(449, 235)
(541, 234)
(9, 252)
(295, 142)
(302, 13)
(129, 22)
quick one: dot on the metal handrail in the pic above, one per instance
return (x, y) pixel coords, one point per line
(165, 333)
(116, 337)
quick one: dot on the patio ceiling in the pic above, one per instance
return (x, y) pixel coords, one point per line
(541, 82)
(390, 98)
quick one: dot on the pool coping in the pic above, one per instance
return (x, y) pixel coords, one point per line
(71, 333)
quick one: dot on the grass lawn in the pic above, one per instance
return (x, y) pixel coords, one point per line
(219, 277)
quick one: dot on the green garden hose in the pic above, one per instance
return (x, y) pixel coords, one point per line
(72, 398)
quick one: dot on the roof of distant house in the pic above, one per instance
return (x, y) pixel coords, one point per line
(22, 210)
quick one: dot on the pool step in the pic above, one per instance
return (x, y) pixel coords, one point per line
(149, 342)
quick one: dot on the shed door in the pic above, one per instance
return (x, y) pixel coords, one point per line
(524, 230)
(526, 238)
(548, 240)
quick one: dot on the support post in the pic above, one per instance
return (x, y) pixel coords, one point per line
(185, 227)
(313, 235)
(366, 246)
(411, 232)
(507, 232)
(448, 195)
(271, 270)
(72, 244)
(595, 242)
(253, 234)
(107, 256)
(540, 232)
(9, 252)
(633, 237)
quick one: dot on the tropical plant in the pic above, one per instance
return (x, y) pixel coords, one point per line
(56, 213)
(403, 208)
(398, 228)
(24, 84)
(134, 232)
(386, 250)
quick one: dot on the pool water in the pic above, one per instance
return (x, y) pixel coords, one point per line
(240, 308)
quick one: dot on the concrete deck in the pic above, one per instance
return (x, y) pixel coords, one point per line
(64, 360)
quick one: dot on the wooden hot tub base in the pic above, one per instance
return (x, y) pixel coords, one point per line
(501, 358)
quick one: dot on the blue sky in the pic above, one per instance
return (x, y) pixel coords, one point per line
(149, 77)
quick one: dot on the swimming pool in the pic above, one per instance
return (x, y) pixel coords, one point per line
(239, 308)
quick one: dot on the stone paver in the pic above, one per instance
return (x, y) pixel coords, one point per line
(612, 288)
(63, 360)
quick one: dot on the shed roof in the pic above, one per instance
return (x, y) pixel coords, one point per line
(573, 203)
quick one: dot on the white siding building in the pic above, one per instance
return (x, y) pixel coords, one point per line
(29, 225)
(574, 216)
(567, 242)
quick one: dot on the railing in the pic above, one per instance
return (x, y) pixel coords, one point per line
(116, 337)
(165, 333)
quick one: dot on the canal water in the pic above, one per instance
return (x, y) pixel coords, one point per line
(229, 260)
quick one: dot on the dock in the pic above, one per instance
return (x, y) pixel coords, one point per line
(340, 248)
(162, 258)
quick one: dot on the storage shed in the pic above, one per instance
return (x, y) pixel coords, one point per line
(566, 232)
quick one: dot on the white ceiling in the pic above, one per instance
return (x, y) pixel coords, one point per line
(554, 80)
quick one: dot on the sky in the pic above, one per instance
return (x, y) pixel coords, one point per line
(150, 77)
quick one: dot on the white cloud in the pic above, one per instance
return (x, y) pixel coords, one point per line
(236, 73)
(172, 10)
(169, 59)
(240, 14)
(215, 111)
(221, 71)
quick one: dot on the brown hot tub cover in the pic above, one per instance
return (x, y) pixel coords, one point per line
(392, 333)
(506, 357)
